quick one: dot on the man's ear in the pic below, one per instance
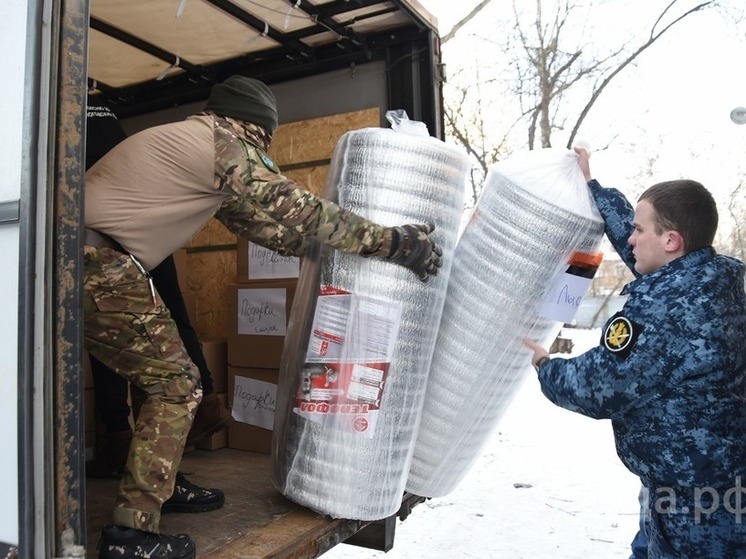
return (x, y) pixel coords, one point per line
(674, 242)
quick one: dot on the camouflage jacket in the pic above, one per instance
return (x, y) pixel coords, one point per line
(154, 190)
(265, 207)
(670, 371)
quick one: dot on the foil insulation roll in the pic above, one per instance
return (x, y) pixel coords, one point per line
(509, 252)
(355, 467)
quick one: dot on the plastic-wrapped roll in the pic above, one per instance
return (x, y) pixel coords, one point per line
(518, 239)
(362, 331)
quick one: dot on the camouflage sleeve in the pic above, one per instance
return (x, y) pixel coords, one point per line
(252, 224)
(619, 217)
(265, 207)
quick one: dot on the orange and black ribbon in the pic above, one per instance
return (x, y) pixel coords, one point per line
(584, 265)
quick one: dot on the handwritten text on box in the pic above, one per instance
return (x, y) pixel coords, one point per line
(254, 402)
(261, 312)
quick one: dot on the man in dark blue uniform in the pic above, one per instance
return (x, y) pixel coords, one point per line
(670, 371)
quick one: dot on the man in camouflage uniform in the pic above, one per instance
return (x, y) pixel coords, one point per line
(670, 371)
(103, 132)
(145, 199)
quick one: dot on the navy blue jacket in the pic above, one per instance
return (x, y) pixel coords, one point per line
(670, 371)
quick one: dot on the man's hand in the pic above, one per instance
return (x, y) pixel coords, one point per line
(540, 355)
(413, 249)
(584, 157)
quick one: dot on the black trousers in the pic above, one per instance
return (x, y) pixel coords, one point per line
(111, 388)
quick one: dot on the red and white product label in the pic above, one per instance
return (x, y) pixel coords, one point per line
(348, 361)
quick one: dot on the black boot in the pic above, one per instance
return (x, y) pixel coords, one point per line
(118, 542)
(188, 497)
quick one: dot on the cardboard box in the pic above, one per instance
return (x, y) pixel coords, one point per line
(218, 439)
(257, 320)
(257, 263)
(216, 357)
(249, 437)
(244, 436)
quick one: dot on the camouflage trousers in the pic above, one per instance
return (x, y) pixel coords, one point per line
(128, 328)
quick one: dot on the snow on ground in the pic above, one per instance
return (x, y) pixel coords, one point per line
(548, 485)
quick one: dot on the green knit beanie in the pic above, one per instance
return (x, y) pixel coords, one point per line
(246, 99)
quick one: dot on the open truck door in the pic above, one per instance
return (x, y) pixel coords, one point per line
(154, 61)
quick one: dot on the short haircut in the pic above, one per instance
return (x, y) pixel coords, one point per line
(687, 207)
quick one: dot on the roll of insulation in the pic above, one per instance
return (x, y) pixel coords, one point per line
(517, 241)
(362, 332)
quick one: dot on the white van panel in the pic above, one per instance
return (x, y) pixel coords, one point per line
(13, 61)
(9, 382)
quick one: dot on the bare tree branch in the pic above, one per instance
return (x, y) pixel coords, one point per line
(456, 28)
(654, 36)
(545, 73)
(739, 248)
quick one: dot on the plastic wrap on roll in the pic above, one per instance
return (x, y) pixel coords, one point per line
(362, 331)
(519, 241)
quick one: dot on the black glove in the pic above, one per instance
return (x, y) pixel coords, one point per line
(413, 249)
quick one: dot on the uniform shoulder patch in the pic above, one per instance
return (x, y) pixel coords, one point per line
(620, 335)
(268, 163)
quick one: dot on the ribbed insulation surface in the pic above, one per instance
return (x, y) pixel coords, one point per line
(392, 179)
(512, 247)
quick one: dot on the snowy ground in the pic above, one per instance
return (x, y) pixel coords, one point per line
(548, 486)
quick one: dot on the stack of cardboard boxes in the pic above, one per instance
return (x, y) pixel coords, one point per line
(260, 304)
